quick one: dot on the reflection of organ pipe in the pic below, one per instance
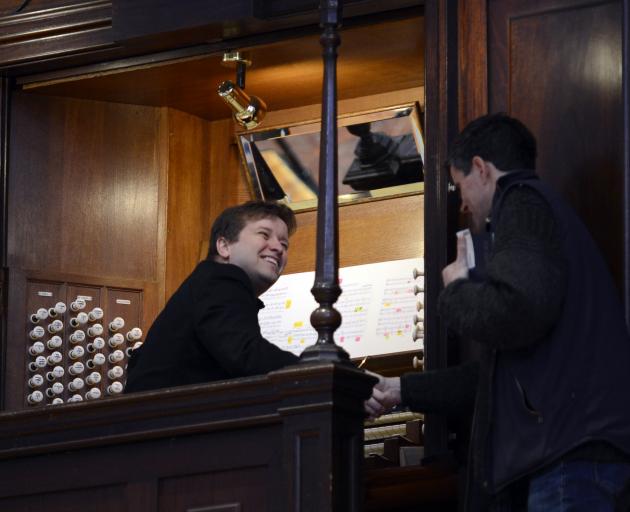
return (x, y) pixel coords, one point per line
(249, 111)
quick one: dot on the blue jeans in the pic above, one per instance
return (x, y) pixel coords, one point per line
(576, 486)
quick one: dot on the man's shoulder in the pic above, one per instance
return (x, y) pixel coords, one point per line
(210, 273)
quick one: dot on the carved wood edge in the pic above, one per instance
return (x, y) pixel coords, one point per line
(225, 405)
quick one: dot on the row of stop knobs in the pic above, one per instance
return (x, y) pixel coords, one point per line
(78, 351)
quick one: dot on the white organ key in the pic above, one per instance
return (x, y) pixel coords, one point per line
(95, 330)
(40, 362)
(54, 358)
(75, 398)
(134, 334)
(41, 314)
(97, 344)
(93, 378)
(97, 360)
(76, 368)
(56, 373)
(76, 353)
(77, 336)
(115, 388)
(35, 381)
(76, 384)
(35, 397)
(37, 333)
(116, 340)
(80, 319)
(95, 314)
(36, 348)
(93, 394)
(54, 342)
(116, 356)
(55, 389)
(55, 326)
(78, 304)
(116, 372)
(58, 309)
(116, 324)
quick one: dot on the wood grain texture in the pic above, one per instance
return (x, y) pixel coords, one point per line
(84, 187)
(285, 74)
(188, 194)
(473, 65)
(557, 67)
(390, 229)
(53, 29)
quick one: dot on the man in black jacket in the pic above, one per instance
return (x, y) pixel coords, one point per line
(209, 328)
(551, 428)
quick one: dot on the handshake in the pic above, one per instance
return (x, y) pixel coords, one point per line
(385, 396)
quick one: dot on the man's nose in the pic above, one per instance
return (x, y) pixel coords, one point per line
(276, 245)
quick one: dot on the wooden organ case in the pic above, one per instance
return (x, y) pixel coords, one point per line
(116, 154)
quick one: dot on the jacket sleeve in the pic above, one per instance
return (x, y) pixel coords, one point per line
(521, 298)
(226, 323)
(450, 391)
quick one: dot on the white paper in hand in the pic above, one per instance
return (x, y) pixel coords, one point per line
(470, 249)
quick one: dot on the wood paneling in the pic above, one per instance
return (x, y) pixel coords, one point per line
(100, 498)
(390, 229)
(473, 62)
(189, 194)
(285, 74)
(196, 446)
(84, 187)
(53, 30)
(557, 67)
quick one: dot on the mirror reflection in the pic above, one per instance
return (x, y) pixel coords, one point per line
(381, 154)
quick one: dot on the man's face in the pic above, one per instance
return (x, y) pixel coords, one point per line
(476, 190)
(261, 251)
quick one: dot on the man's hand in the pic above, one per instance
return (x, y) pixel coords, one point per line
(459, 268)
(385, 396)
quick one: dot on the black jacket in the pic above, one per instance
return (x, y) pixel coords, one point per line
(534, 284)
(207, 331)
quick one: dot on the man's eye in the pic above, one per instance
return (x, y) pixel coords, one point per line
(264, 234)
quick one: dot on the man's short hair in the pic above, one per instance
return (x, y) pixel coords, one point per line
(497, 138)
(231, 221)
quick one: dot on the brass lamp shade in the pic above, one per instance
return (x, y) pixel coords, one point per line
(249, 111)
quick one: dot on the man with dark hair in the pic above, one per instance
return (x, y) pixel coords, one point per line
(551, 425)
(209, 328)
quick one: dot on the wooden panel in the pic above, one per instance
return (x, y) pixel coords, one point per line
(193, 447)
(222, 491)
(100, 499)
(85, 180)
(53, 29)
(557, 66)
(390, 229)
(227, 178)
(285, 74)
(188, 194)
(473, 66)
(9, 7)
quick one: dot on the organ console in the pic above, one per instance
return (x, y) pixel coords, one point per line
(61, 357)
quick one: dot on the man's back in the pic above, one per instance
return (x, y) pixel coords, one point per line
(207, 331)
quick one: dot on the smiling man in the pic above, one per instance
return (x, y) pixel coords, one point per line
(209, 328)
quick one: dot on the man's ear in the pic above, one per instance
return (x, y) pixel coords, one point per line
(481, 166)
(223, 248)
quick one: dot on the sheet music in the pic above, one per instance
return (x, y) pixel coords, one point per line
(378, 303)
